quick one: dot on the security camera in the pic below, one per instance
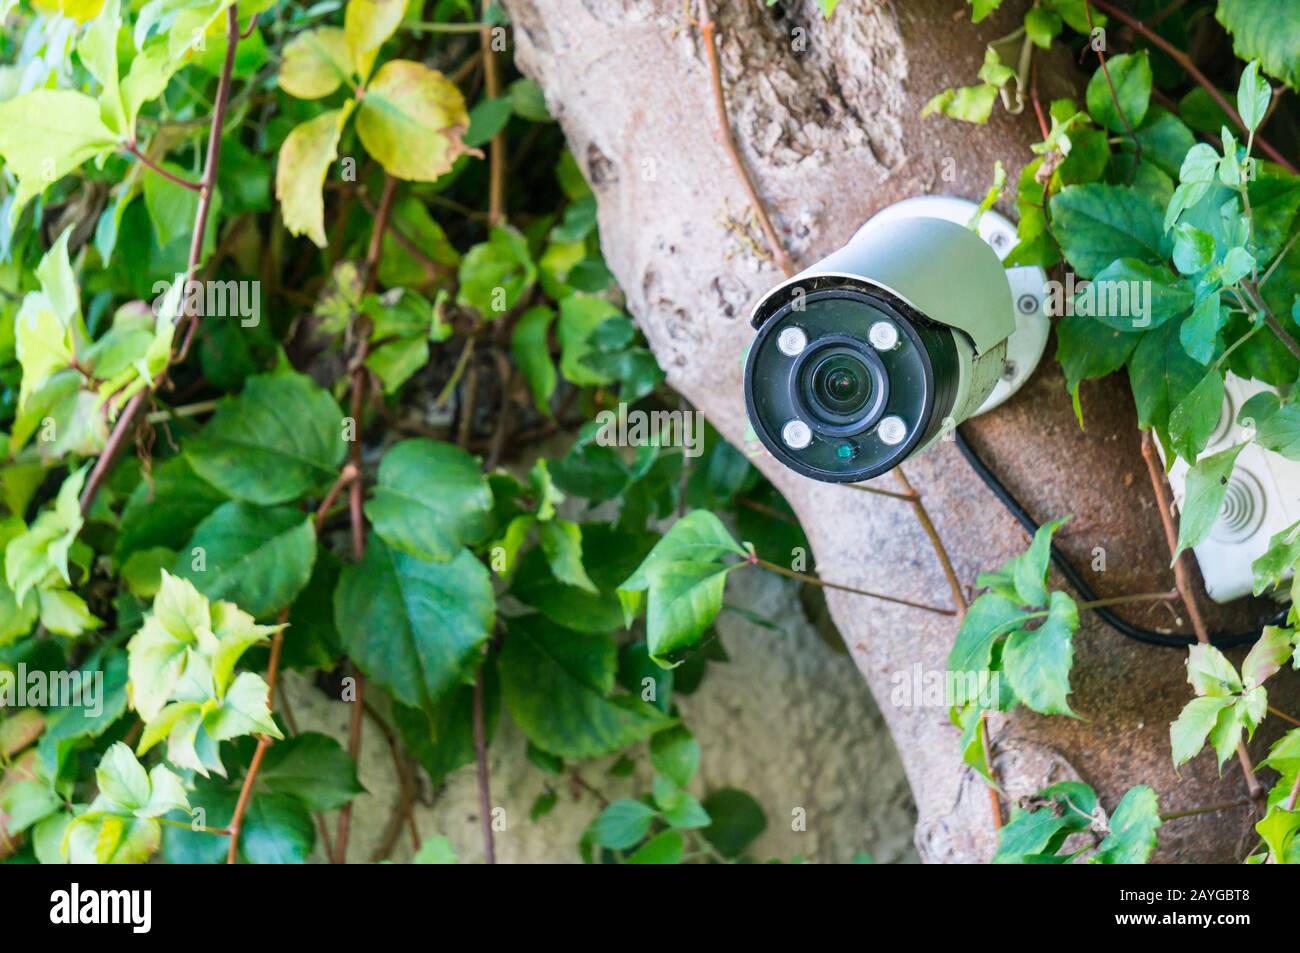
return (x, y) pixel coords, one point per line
(879, 349)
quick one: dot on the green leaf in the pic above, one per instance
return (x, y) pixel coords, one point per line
(1188, 732)
(528, 345)
(367, 24)
(968, 103)
(1042, 26)
(486, 119)
(1253, 95)
(1194, 420)
(1161, 375)
(305, 159)
(738, 820)
(277, 830)
(258, 558)
(432, 500)
(561, 540)
(699, 536)
(278, 440)
(1268, 32)
(1207, 482)
(989, 617)
(1210, 672)
(580, 317)
(667, 847)
(1267, 655)
(1130, 76)
(675, 754)
(1097, 224)
(411, 120)
(685, 598)
(1087, 349)
(1133, 826)
(1038, 830)
(415, 627)
(1199, 333)
(313, 768)
(1038, 662)
(1131, 295)
(47, 133)
(622, 824)
(164, 508)
(1279, 559)
(495, 275)
(1279, 431)
(1193, 249)
(443, 740)
(436, 849)
(556, 684)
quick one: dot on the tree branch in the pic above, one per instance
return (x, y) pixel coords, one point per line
(813, 580)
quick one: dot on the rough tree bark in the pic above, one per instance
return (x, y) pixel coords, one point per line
(831, 134)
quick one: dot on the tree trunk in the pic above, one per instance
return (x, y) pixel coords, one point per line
(826, 115)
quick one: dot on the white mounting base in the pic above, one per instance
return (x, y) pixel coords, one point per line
(1028, 284)
(1262, 499)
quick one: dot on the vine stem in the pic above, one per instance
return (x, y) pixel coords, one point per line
(207, 188)
(172, 177)
(1211, 809)
(497, 157)
(1105, 71)
(356, 494)
(1283, 715)
(1185, 61)
(880, 491)
(813, 580)
(707, 28)
(945, 561)
(1183, 583)
(480, 759)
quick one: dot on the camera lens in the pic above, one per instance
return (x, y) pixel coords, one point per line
(842, 384)
(837, 387)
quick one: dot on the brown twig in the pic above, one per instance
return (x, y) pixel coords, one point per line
(356, 494)
(480, 759)
(403, 807)
(880, 491)
(1211, 809)
(1283, 715)
(1185, 61)
(707, 27)
(172, 177)
(245, 793)
(995, 804)
(126, 420)
(1183, 582)
(497, 158)
(923, 517)
(813, 580)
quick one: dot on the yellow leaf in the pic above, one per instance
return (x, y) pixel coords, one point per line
(315, 63)
(305, 157)
(79, 10)
(411, 119)
(368, 23)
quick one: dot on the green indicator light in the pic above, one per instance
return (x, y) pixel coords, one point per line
(846, 451)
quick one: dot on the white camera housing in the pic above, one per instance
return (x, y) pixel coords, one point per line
(920, 327)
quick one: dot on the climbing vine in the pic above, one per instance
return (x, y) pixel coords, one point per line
(1186, 202)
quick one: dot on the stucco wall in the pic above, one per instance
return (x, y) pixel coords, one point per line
(788, 719)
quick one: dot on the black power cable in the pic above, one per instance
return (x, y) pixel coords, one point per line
(1222, 640)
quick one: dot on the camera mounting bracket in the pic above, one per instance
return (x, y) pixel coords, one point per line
(1028, 283)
